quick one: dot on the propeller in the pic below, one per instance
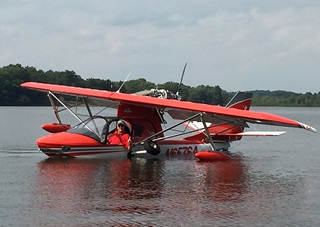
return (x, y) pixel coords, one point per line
(183, 71)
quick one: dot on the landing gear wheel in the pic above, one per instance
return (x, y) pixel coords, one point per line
(151, 147)
(130, 155)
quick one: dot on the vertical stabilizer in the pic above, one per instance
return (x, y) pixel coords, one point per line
(241, 100)
(225, 133)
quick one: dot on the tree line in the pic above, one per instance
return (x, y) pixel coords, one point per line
(11, 94)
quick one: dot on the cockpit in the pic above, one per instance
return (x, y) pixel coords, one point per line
(99, 128)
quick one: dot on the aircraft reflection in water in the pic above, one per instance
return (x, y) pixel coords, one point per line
(63, 183)
(226, 181)
(170, 188)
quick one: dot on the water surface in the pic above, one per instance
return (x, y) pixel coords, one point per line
(275, 183)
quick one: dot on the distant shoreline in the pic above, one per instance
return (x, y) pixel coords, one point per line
(11, 94)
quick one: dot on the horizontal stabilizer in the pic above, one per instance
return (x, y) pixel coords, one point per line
(258, 133)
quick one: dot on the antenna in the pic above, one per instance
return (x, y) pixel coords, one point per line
(123, 83)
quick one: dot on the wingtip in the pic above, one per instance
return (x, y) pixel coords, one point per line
(308, 127)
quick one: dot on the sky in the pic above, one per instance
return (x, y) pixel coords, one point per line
(237, 45)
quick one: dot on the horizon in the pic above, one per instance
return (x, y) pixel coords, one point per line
(132, 79)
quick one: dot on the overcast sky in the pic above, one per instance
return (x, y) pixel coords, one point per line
(236, 44)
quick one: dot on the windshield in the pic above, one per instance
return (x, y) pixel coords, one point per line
(95, 125)
(92, 127)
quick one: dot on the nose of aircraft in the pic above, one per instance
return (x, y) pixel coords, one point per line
(57, 140)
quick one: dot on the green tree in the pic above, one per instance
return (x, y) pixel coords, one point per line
(133, 86)
(12, 76)
(99, 84)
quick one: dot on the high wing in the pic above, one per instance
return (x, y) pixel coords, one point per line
(175, 108)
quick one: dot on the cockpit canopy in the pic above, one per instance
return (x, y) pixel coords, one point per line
(99, 128)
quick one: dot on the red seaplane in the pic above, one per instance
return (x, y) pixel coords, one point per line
(200, 129)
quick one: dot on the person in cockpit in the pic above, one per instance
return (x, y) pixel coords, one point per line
(122, 135)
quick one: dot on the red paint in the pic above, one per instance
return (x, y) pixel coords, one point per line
(212, 156)
(55, 127)
(57, 140)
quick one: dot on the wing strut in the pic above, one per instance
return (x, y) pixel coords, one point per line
(173, 126)
(207, 131)
(51, 94)
(55, 108)
(88, 108)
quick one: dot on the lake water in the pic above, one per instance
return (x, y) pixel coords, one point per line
(275, 183)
